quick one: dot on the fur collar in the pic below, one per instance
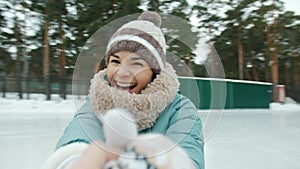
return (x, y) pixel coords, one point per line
(145, 107)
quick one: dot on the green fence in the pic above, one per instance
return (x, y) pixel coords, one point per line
(209, 93)
(206, 93)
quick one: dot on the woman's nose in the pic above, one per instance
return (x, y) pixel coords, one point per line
(123, 71)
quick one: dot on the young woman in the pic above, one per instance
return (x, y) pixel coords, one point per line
(140, 80)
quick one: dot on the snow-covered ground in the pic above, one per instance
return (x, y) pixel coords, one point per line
(244, 138)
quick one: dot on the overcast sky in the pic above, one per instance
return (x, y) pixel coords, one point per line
(293, 5)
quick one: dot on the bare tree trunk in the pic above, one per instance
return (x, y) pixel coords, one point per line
(275, 69)
(267, 62)
(275, 75)
(3, 79)
(213, 68)
(18, 61)
(247, 74)
(25, 74)
(46, 63)
(240, 52)
(62, 64)
(267, 72)
(273, 53)
(255, 73)
(287, 75)
(296, 69)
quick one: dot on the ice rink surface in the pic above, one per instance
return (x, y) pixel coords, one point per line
(248, 139)
(255, 139)
(26, 140)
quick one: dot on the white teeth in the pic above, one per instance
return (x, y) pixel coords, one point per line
(124, 84)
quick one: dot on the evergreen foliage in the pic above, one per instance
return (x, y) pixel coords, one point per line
(255, 39)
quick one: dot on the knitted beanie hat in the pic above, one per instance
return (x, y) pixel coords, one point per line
(142, 36)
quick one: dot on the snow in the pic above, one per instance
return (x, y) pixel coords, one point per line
(289, 104)
(261, 139)
(37, 104)
(244, 138)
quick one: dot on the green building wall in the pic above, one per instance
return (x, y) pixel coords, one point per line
(208, 93)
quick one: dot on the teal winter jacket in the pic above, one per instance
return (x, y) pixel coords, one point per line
(180, 122)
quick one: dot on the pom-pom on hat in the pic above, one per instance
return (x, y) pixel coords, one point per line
(142, 36)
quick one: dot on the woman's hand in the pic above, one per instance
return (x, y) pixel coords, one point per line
(95, 156)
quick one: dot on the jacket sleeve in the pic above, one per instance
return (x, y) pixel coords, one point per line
(84, 127)
(185, 128)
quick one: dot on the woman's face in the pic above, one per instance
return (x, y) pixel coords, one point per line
(128, 71)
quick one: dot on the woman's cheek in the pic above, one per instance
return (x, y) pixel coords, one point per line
(110, 73)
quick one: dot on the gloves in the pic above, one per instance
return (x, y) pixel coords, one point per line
(119, 127)
(148, 151)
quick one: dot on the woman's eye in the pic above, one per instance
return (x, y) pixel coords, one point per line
(115, 61)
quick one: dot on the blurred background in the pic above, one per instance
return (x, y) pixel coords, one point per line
(256, 40)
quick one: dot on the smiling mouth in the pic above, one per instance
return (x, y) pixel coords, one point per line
(125, 86)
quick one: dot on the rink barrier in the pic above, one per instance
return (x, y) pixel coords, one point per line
(237, 94)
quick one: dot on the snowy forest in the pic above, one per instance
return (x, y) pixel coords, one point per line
(257, 40)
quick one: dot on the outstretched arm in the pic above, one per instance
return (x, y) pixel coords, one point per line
(84, 127)
(96, 156)
(80, 132)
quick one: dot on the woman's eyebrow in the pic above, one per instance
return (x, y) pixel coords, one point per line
(114, 55)
(136, 58)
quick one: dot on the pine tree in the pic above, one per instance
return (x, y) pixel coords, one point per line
(57, 15)
(289, 48)
(5, 58)
(178, 32)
